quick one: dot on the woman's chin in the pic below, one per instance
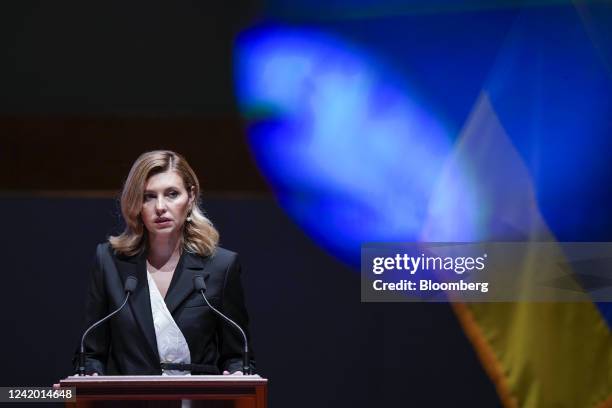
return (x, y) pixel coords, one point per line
(162, 231)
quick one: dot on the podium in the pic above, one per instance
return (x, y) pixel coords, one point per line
(196, 391)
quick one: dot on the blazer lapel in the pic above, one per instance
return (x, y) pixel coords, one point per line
(181, 285)
(140, 300)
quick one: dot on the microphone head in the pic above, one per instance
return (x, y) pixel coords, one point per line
(130, 283)
(198, 283)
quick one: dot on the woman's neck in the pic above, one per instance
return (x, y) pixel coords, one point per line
(163, 249)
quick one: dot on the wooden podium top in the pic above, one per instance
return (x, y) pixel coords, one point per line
(250, 389)
(162, 380)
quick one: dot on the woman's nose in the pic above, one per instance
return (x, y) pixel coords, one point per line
(160, 205)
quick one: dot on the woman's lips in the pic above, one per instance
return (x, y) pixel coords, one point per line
(162, 221)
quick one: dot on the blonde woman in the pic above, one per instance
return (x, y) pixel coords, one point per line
(166, 327)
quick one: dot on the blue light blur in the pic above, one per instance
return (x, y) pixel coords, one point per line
(350, 148)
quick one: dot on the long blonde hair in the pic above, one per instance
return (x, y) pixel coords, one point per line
(199, 234)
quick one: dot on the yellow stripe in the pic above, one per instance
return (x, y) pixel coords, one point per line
(543, 354)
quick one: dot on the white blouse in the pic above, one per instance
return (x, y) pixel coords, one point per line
(171, 343)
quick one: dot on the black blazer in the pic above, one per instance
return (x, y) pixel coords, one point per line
(127, 343)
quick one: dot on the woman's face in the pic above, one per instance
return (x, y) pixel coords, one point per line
(165, 204)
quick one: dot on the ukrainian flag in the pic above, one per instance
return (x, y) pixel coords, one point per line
(537, 354)
(543, 354)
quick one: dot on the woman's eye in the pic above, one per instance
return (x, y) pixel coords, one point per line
(173, 194)
(148, 197)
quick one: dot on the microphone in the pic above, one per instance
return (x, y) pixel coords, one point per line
(200, 286)
(128, 287)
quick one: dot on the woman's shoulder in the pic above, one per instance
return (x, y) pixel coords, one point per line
(223, 256)
(106, 246)
(224, 253)
(104, 250)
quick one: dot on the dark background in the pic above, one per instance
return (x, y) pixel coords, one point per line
(86, 87)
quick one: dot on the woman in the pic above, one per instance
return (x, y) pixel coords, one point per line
(166, 327)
